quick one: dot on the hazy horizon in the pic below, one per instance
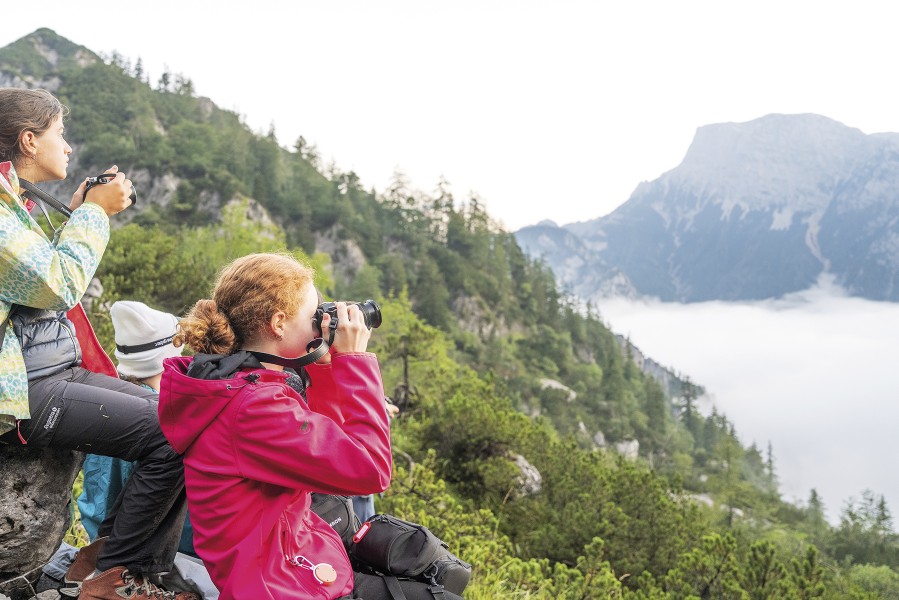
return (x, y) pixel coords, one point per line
(811, 373)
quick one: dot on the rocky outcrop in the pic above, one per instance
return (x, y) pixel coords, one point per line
(629, 449)
(529, 481)
(671, 382)
(552, 384)
(35, 491)
(347, 258)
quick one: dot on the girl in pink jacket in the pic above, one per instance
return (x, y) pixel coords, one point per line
(254, 447)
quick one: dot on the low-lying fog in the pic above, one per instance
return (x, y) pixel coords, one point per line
(815, 373)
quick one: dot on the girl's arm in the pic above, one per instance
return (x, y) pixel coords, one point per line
(38, 273)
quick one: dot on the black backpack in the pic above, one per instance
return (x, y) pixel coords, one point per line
(394, 549)
(390, 546)
(337, 511)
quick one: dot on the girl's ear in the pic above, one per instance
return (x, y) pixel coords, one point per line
(27, 143)
(276, 325)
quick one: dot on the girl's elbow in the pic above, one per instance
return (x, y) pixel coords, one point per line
(385, 473)
(54, 299)
(378, 477)
(384, 481)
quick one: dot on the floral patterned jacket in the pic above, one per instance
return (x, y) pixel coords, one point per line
(42, 273)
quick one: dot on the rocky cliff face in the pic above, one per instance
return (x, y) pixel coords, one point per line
(755, 210)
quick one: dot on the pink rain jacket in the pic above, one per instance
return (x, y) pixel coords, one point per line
(253, 450)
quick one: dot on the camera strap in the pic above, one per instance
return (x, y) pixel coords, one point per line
(39, 194)
(320, 349)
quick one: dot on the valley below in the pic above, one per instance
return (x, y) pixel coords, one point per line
(813, 373)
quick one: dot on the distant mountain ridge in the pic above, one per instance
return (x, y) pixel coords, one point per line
(755, 210)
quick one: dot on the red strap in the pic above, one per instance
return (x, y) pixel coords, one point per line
(93, 357)
(19, 431)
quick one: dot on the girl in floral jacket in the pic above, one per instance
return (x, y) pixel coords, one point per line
(46, 398)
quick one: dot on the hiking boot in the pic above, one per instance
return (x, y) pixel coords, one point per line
(84, 564)
(117, 583)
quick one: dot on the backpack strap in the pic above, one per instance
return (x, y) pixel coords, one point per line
(396, 592)
(393, 586)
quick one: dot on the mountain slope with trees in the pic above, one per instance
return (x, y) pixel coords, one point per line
(518, 406)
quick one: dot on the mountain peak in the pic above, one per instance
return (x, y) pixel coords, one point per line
(775, 159)
(36, 59)
(547, 223)
(755, 210)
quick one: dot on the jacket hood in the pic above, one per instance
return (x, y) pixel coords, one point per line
(196, 389)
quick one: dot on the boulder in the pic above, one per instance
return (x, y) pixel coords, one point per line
(35, 492)
(629, 449)
(529, 481)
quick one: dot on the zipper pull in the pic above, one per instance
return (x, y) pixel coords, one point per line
(252, 377)
(362, 531)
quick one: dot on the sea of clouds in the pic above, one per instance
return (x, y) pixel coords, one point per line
(815, 373)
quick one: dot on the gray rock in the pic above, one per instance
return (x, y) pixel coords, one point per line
(629, 449)
(35, 491)
(529, 481)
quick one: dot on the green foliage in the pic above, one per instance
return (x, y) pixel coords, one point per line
(865, 534)
(764, 575)
(20, 57)
(708, 571)
(878, 580)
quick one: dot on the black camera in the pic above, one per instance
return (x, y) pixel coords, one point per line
(106, 178)
(371, 312)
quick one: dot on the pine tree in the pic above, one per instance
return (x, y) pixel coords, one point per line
(689, 414)
(770, 475)
(808, 576)
(764, 577)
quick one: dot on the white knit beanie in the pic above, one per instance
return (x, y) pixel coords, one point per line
(143, 338)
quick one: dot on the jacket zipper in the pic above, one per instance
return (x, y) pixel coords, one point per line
(74, 343)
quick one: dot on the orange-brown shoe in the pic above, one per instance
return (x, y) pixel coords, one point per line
(84, 564)
(117, 583)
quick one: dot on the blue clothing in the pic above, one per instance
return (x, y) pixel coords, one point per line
(60, 562)
(104, 478)
(364, 507)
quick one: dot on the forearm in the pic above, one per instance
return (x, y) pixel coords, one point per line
(36, 272)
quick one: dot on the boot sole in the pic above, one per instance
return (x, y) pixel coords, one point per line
(72, 589)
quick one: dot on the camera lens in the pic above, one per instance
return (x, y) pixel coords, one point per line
(371, 312)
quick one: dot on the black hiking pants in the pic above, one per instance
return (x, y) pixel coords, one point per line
(81, 410)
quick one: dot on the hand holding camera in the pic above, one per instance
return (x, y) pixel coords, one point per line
(347, 325)
(110, 190)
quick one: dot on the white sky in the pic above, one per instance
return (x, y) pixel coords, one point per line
(548, 110)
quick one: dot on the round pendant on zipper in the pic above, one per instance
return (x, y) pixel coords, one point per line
(324, 573)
